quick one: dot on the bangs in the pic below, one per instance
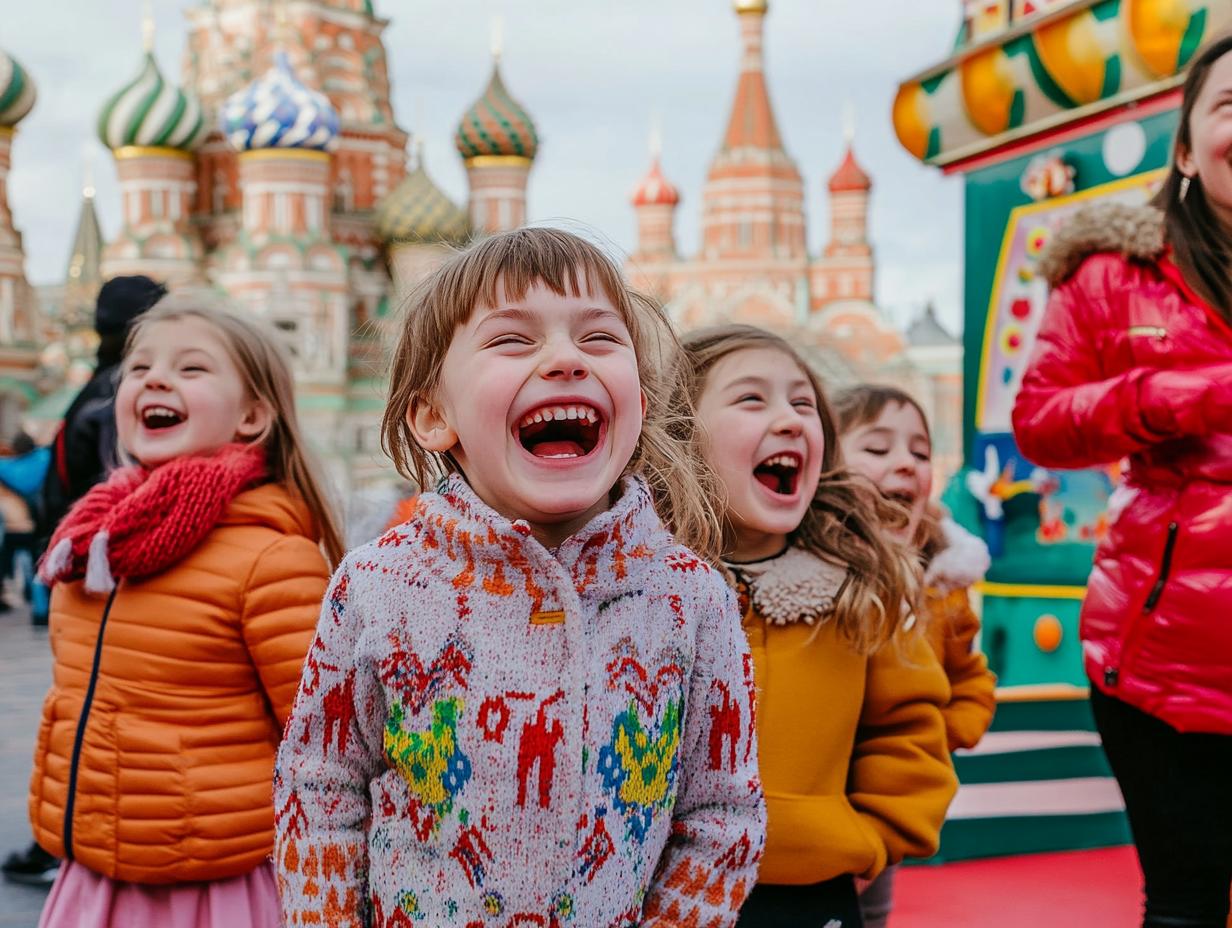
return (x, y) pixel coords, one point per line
(515, 262)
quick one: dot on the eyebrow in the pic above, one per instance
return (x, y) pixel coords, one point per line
(753, 380)
(518, 314)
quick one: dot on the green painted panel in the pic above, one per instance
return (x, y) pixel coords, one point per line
(964, 839)
(1046, 764)
(1008, 640)
(1044, 715)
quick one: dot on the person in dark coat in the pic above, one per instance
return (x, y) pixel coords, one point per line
(85, 449)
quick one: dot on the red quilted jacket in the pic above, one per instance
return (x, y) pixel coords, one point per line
(1130, 362)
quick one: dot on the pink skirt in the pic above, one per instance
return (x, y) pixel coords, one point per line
(80, 898)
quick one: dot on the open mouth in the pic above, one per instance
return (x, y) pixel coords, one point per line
(560, 432)
(780, 473)
(157, 418)
(905, 498)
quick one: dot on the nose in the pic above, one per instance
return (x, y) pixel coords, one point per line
(902, 461)
(563, 361)
(156, 378)
(787, 422)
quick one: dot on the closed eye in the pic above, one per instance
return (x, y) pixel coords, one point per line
(603, 337)
(504, 341)
(750, 398)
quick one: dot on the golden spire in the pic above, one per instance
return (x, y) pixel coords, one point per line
(147, 27)
(752, 6)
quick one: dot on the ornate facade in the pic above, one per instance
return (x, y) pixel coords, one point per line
(754, 265)
(278, 174)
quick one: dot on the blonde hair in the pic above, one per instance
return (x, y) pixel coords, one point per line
(567, 265)
(843, 524)
(262, 363)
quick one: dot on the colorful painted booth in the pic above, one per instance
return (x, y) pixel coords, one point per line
(1042, 107)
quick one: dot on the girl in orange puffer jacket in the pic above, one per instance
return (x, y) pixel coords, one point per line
(185, 596)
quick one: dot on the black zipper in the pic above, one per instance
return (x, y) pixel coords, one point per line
(81, 730)
(1165, 568)
(1112, 674)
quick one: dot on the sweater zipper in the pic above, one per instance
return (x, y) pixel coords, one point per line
(79, 740)
(1112, 674)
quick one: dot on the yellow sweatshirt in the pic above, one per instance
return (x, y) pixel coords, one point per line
(853, 748)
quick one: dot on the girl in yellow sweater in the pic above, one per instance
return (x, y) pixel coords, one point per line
(851, 738)
(886, 439)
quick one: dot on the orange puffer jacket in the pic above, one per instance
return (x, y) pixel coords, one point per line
(155, 757)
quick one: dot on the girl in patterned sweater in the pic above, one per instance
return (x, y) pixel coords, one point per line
(528, 704)
(852, 742)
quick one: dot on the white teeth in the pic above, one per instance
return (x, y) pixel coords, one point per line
(781, 460)
(556, 457)
(560, 414)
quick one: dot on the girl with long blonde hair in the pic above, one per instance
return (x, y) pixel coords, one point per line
(185, 590)
(852, 744)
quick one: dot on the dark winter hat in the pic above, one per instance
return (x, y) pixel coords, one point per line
(123, 299)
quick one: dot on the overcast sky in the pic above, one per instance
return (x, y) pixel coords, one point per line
(591, 73)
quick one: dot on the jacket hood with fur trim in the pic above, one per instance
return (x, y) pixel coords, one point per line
(961, 563)
(1137, 232)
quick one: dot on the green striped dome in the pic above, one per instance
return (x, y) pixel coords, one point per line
(496, 125)
(16, 91)
(417, 212)
(151, 111)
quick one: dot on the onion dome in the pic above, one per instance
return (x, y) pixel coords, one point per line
(654, 189)
(849, 177)
(496, 125)
(278, 111)
(418, 212)
(149, 110)
(16, 91)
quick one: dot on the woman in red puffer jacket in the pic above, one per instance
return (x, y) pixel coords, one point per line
(1134, 359)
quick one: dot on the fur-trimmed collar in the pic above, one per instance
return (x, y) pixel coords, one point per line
(962, 562)
(1133, 231)
(796, 586)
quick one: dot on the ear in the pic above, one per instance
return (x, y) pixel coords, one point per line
(1185, 161)
(642, 394)
(431, 431)
(257, 421)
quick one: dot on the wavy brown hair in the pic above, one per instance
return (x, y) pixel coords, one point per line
(864, 403)
(1201, 244)
(259, 357)
(566, 264)
(843, 525)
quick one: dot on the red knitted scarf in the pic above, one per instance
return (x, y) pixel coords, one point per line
(140, 522)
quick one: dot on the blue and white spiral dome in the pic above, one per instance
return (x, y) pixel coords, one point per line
(278, 111)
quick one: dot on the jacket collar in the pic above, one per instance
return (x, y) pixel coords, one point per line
(477, 543)
(963, 561)
(795, 586)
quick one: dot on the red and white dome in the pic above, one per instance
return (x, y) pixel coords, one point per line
(654, 189)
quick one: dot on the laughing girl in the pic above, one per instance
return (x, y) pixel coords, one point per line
(528, 704)
(853, 752)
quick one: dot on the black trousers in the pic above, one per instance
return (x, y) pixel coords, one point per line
(819, 905)
(1178, 794)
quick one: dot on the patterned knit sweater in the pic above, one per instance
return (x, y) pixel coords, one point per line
(489, 733)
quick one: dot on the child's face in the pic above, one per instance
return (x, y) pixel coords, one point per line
(894, 452)
(540, 405)
(765, 442)
(1210, 128)
(181, 394)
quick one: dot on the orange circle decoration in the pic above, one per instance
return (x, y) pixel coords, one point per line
(1037, 238)
(1011, 340)
(912, 122)
(1048, 633)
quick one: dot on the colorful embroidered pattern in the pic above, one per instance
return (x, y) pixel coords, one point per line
(431, 761)
(449, 762)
